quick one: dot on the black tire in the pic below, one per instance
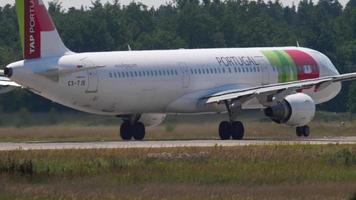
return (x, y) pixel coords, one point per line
(238, 130)
(306, 131)
(299, 131)
(139, 131)
(303, 131)
(225, 130)
(125, 131)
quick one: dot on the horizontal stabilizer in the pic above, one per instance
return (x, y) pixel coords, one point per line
(6, 85)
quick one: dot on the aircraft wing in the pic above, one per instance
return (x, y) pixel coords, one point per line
(6, 85)
(280, 89)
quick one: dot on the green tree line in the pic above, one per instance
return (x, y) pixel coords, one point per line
(325, 26)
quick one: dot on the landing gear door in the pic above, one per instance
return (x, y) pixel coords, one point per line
(185, 75)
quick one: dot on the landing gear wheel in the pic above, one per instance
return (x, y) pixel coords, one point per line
(237, 130)
(303, 131)
(234, 130)
(125, 131)
(224, 130)
(299, 133)
(139, 131)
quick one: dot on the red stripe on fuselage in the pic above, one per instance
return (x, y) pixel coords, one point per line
(307, 67)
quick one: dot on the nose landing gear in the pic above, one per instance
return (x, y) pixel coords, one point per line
(303, 131)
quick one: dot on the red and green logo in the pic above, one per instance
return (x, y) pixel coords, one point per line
(33, 19)
(293, 65)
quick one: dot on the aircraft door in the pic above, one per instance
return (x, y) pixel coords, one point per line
(185, 75)
(93, 77)
(93, 81)
(265, 75)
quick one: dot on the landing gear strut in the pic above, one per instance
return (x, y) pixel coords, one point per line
(231, 129)
(134, 130)
(303, 131)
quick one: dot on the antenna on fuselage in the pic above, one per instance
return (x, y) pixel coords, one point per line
(298, 44)
(129, 47)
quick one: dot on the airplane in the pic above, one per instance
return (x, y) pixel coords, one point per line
(142, 87)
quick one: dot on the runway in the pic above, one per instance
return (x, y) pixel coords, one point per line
(12, 146)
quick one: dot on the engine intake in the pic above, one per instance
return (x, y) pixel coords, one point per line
(294, 110)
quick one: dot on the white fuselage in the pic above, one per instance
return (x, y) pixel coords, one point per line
(161, 81)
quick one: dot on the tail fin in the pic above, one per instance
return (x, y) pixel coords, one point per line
(39, 36)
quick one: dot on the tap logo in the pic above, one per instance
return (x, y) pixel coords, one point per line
(32, 31)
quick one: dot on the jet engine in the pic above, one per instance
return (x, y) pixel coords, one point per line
(152, 120)
(295, 110)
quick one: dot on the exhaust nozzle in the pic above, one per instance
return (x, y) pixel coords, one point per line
(8, 72)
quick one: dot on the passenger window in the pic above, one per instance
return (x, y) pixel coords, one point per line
(115, 75)
(110, 74)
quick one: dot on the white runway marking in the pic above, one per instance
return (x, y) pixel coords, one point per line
(9, 146)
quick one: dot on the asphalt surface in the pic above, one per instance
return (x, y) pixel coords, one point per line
(10, 146)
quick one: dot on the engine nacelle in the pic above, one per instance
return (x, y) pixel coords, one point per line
(152, 120)
(295, 110)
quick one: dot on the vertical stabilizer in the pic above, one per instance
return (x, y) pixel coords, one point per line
(39, 36)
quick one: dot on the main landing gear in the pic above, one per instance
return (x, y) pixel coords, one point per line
(231, 129)
(135, 130)
(303, 131)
